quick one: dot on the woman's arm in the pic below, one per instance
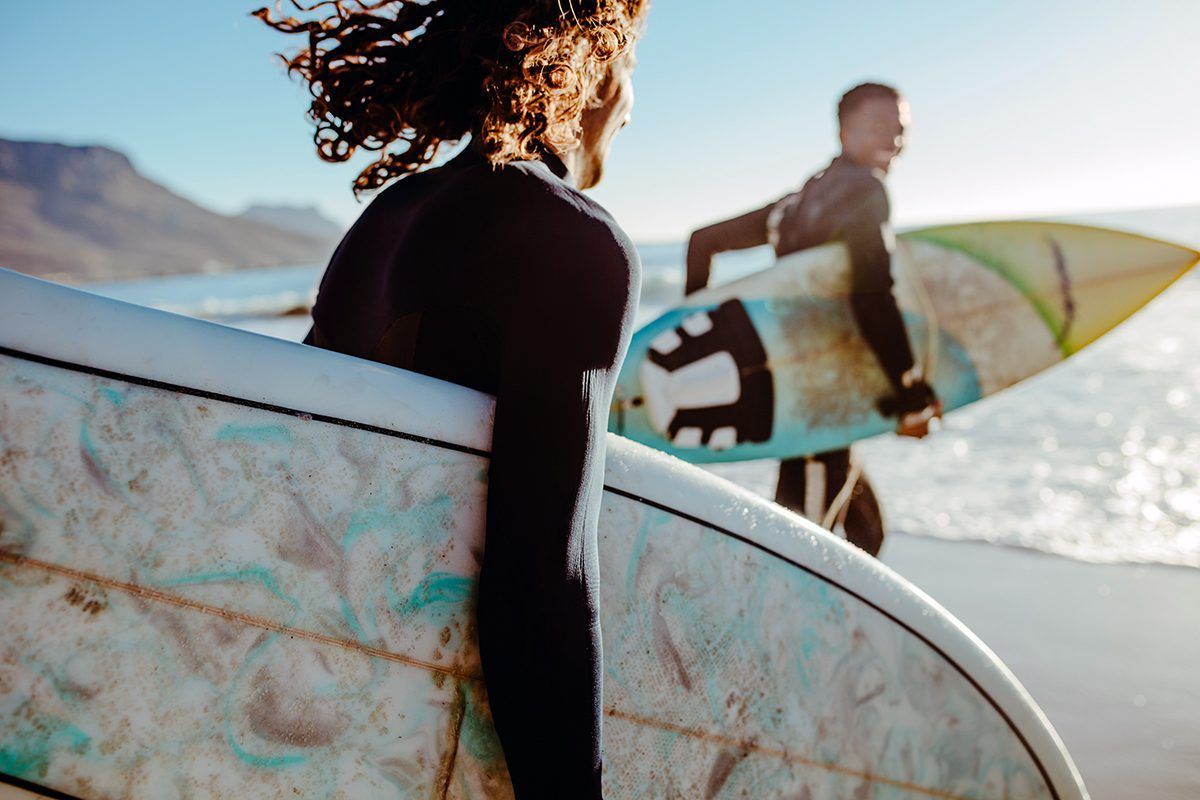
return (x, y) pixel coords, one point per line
(565, 331)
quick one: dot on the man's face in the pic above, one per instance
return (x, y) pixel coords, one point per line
(873, 133)
(609, 113)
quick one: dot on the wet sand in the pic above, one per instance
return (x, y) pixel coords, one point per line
(1110, 652)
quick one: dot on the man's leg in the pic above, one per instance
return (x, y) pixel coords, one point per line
(792, 485)
(860, 515)
(864, 518)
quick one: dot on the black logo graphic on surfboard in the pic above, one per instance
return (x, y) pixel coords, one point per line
(706, 382)
(1064, 279)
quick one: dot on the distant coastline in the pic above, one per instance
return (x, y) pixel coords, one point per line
(83, 214)
(80, 214)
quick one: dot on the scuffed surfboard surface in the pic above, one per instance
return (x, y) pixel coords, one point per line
(202, 598)
(986, 305)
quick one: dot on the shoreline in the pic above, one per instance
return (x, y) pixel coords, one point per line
(1042, 553)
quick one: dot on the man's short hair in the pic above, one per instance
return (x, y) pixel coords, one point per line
(864, 91)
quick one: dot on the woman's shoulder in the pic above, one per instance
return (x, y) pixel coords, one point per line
(544, 186)
(532, 205)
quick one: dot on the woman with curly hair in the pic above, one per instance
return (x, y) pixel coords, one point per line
(494, 271)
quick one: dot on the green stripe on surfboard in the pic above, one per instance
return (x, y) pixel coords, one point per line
(948, 238)
(999, 246)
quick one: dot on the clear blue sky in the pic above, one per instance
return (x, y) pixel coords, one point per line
(1021, 107)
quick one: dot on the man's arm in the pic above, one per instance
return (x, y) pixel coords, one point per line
(748, 230)
(868, 238)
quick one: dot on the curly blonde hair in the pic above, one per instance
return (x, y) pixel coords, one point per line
(515, 75)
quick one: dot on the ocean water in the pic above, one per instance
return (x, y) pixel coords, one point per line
(1096, 459)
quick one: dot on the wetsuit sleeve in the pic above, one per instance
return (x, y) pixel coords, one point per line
(868, 238)
(564, 335)
(739, 233)
(562, 348)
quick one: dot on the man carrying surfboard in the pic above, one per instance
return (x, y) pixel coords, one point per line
(494, 271)
(846, 201)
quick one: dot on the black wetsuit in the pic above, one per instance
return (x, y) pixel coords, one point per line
(512, 282)
(843, 202)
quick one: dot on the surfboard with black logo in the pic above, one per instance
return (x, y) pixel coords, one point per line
(773, 365)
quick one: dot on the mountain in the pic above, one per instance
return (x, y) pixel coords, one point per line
(85, 213)
(306, 220)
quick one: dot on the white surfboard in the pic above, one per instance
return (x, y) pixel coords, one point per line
(233, 566)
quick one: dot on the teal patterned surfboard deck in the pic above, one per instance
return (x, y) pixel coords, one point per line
(210, 596)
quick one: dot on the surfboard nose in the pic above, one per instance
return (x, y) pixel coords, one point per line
(1083, 281)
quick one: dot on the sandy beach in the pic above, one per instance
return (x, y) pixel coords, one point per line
(1110, 652)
